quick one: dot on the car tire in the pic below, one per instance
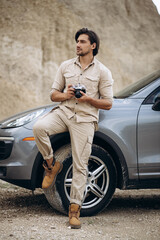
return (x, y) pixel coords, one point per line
(100, 186)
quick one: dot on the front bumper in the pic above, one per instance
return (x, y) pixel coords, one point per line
(6, 145)
(16, 156)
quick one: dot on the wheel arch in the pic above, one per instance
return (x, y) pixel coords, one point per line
(113, 149)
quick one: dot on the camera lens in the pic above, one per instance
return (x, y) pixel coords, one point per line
(78, 94)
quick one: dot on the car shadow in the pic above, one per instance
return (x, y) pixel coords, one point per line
(134, 200)
(26, 203)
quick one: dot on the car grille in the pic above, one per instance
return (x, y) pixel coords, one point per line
(6, 145)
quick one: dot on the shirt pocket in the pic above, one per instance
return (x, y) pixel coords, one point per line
(91, 83)
(71, 78)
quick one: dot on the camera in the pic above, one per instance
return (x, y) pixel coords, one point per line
(77, 88)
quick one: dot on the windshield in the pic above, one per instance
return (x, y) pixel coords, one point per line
(135, 87)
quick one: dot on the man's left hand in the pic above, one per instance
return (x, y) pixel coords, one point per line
(98, 103)
(83, 98)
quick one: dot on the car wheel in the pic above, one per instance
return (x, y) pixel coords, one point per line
(100, 186)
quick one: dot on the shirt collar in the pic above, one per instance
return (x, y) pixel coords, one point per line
(78, 62)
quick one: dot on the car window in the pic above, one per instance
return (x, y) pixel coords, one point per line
(151, 98)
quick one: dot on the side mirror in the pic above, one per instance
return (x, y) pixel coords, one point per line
(156, 105)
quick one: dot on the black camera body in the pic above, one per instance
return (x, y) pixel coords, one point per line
(77, 88)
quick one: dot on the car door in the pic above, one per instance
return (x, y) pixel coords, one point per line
(148, 139)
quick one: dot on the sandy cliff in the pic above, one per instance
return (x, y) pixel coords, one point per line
(37, 35)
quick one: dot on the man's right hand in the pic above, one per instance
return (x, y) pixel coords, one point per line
(70, 92)
(58, 96)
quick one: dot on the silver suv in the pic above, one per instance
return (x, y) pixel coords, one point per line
(125, 152)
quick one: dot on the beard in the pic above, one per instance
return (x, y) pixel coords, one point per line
(81, 53)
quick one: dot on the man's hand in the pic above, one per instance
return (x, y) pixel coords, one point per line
(70, 92)
(98, 103)
(84, 97)
(58, 96)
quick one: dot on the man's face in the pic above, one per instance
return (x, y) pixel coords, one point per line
(84, 46)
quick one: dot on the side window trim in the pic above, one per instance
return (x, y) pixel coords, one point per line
(150, 98)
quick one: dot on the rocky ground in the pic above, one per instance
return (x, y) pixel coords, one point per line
(133, 214)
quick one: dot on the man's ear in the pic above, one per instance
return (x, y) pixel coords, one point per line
(93, 45)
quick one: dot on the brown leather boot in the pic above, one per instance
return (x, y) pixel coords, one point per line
(51, 174)
(74, 213)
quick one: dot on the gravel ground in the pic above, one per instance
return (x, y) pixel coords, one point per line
(132, 214)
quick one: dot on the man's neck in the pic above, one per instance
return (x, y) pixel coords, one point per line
(85, 60)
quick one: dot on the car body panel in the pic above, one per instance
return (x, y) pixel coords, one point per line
(148, 142)
(121, 128)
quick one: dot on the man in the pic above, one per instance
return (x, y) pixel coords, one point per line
(79, 116)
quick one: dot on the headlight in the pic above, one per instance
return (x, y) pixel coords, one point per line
(21, 120)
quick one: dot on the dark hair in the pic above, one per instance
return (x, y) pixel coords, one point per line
(93, 38)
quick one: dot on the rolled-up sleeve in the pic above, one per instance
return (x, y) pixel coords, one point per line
(106, 84)
(59, 82)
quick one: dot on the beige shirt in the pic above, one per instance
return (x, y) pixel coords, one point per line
(98, 82)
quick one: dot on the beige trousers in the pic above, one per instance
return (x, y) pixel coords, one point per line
(81, 135)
